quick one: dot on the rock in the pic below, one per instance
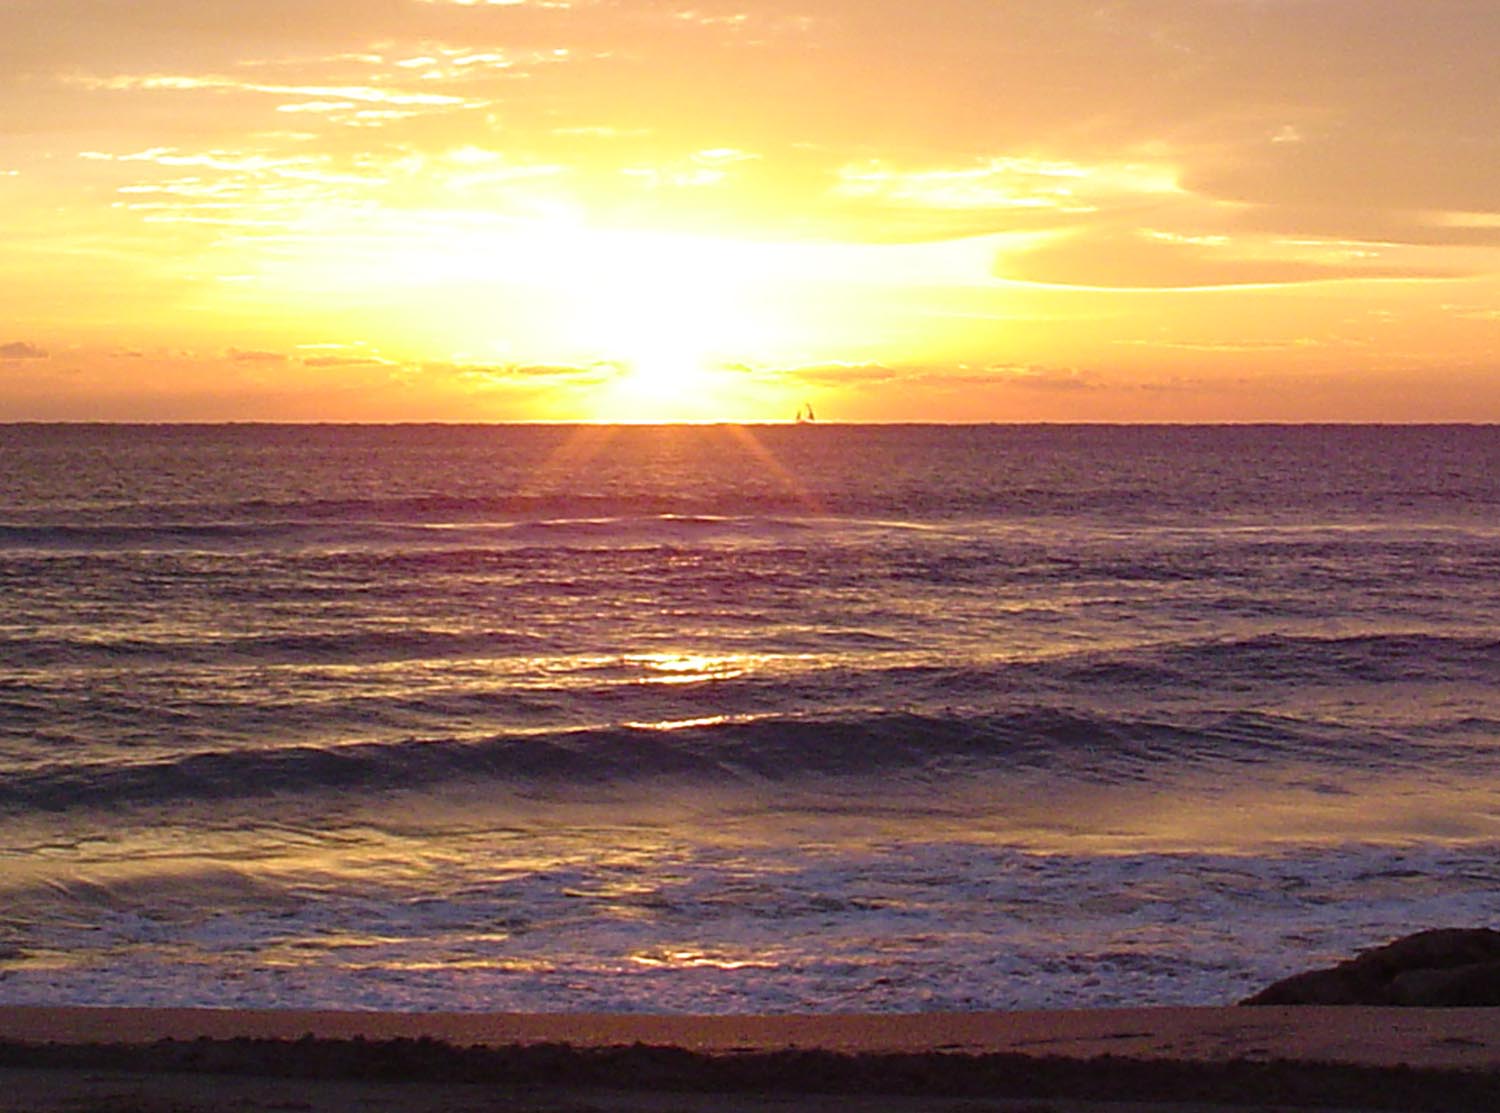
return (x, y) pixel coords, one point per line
(1444, 967)
(1476, 984)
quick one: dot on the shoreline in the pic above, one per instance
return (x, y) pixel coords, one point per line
(1352, 1058)
(1379, 1036)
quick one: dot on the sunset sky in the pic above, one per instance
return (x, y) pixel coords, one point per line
(971, 210)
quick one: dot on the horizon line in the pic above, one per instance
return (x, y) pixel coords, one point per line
(226, 423)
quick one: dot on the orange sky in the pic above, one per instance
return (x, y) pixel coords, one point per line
(1142, 210)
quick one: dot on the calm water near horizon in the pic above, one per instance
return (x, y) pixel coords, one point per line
(721, 719)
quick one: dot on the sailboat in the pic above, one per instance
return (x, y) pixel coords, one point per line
(805, 414)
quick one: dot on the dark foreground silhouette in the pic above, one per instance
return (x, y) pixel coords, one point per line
(539, 1070)
(1444, 968)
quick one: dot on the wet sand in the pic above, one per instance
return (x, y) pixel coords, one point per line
(145, 1060)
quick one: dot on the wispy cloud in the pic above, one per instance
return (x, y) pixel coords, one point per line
(344, 361)
(529, 375)
(361, 93)
(22, 349)
(563, 4)
(1118, 258)
(1004, 182)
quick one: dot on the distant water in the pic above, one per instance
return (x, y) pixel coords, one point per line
(715, 719)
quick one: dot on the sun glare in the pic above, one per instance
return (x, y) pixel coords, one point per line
(662, 325)
(620, 324)
(658, 311)
(666, 312)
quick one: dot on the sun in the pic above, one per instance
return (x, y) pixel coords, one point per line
(670, 315)
(671, 381)
(612, 323)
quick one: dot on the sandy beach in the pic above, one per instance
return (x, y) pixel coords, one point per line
(1154, 1058)
(1378, 1037)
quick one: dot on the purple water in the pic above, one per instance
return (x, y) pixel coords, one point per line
(738, 720)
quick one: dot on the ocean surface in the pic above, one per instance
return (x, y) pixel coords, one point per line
(719, 719)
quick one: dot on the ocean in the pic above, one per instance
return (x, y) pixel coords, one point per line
(718, 719)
